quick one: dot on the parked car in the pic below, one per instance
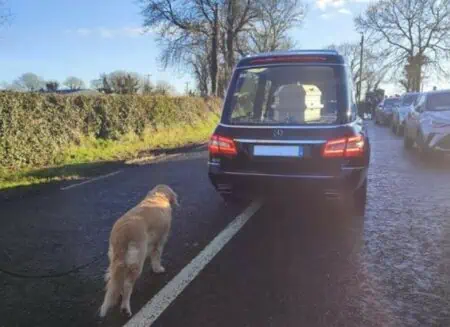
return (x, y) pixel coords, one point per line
(400, 112)
(428, 124)
(383, 112)
(270, 135)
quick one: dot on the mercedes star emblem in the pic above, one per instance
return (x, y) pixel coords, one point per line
(278, 132)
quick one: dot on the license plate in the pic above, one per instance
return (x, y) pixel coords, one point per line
(278, 151)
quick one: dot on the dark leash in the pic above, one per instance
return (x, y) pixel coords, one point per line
(55, 275)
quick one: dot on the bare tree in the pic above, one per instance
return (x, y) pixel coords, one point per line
(103, 84)
(413, 33)
(97, 84)
(52, 86)
(200, 68)
(351, 52)
(255, 26)
(74, 83)
(182, 26)
(237, 17)
(164, 88)
(374, 70)
(269, 31)
(147, 88)
(119, 81)
(220, 28)
(28, 82)
(374, 76)
(374, 67)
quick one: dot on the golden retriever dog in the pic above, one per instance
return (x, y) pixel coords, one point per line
(140, 233)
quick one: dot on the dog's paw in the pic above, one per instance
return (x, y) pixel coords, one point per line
(102, 311)
(159, 269)
(126, 310)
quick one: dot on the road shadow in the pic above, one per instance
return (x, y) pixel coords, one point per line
(433, 162)
(48, 179)
(52, 178)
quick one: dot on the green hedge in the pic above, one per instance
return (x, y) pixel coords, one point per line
(36, 128)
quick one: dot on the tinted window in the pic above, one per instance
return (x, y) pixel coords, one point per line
(409, 99)
(389, 103)
(438, 102)
(290, 95)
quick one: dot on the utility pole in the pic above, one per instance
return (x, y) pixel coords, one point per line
(361, 61)
(148, 78)
(187, 88)
(146, 88)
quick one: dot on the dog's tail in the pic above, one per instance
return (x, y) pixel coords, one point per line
(114, 277)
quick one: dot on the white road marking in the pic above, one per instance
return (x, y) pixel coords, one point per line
(91, 180)
(156, 306)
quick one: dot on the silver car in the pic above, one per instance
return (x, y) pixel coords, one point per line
(383, 112)
(428, 124)
(401, 111)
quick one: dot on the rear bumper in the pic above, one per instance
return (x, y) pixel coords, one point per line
(350, 179)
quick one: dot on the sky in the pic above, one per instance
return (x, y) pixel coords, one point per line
(84, 38)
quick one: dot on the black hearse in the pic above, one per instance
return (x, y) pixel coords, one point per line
(290, 118)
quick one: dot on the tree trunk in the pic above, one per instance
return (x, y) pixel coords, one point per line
(419, 77)
(229, 43)
(414, 83)
(214, 41)
(230, 36)
(221, 83)
(416, 64)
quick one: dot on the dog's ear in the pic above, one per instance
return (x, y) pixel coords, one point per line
(167, 192)
(174, 199)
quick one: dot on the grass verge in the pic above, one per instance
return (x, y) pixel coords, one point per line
(93, 156)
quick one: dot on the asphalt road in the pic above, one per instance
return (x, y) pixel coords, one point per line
(295, 263)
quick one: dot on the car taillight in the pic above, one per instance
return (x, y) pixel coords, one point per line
(355, 146)
(222, 145)
(352, 146)
(334, 148)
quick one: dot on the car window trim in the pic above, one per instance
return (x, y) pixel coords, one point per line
(342, 117)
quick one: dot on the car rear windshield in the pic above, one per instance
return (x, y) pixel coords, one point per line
(409, 99)
(287, 95)
(438, 102)
(389, 103)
